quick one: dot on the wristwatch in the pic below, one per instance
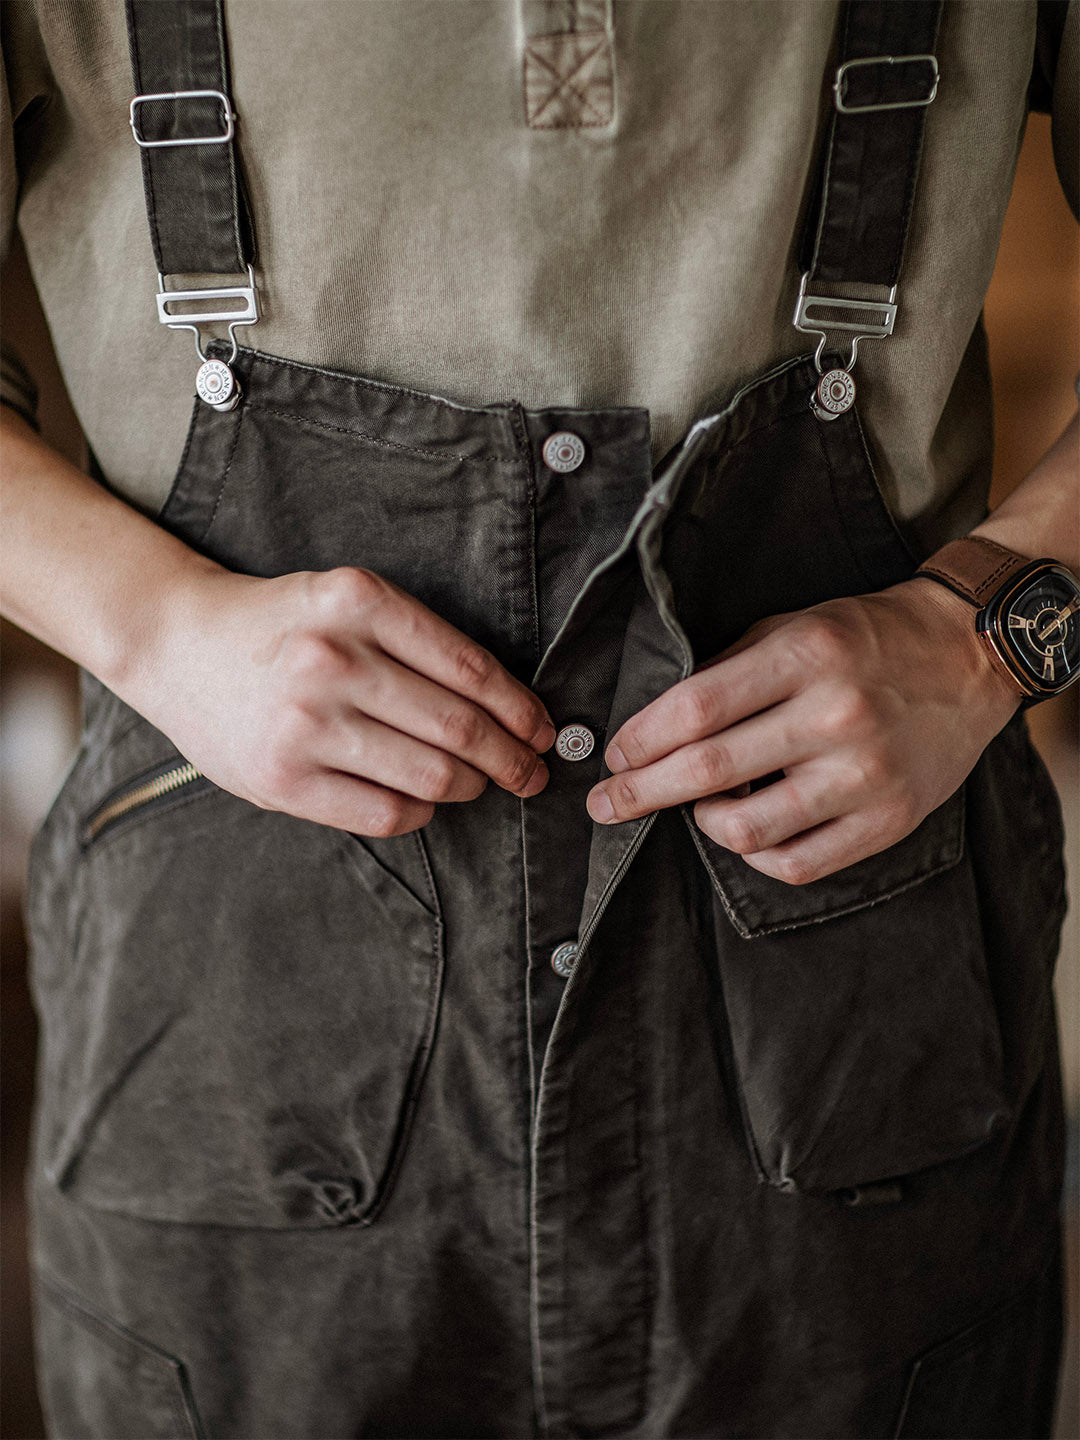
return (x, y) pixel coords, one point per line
(1027, 611)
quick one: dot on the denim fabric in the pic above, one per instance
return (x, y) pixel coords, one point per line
(325, 1147)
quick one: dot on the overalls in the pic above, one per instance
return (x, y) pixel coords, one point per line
(326, 1145)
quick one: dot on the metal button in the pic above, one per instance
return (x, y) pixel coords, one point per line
(216, 384)
(564, 451)
(574, 742)
(835, 394)
(563, 958)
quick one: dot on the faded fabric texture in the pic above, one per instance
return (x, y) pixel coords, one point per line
(564, 202)
(325, 1146)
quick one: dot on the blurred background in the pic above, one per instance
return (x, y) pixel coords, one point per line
(1032, 319)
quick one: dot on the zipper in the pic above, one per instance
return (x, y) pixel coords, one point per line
(133, 796)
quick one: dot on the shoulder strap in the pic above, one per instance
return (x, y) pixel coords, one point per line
(887, 74)
(182, 117)
(857, 224)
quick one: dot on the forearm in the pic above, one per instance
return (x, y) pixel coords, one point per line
(82, 570)
(1041, 516)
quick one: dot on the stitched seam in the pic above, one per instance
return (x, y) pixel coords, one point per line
(225, 477)
(565, 83)
(990, 544)
(146, 154)
(977, 593)
(837, 51)
(377, 439)
(385, 388)
(120, 1338)
(833, 490)
(862, 903)
(521, 437)
(951, 581)
(422, 1055)
(362, 381)
(961, 1342)
(994, 574)
(219, 30)
(649, 1281)
(193, 420)
(915, 165)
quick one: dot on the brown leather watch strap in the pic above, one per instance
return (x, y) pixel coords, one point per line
(973, 567)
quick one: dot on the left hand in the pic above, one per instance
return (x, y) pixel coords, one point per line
(875, 708)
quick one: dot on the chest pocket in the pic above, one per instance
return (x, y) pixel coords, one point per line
(214, 1051)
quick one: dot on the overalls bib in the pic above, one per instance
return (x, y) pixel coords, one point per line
(327, 1145)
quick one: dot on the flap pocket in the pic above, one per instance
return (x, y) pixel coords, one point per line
(863, 1031)
(756, 904)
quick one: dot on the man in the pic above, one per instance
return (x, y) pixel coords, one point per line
(698, 1077)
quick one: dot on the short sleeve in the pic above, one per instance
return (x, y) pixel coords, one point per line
(17, 387)
(20, 55)
(1055, 87)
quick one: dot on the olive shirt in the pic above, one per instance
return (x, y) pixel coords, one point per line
(563, 202)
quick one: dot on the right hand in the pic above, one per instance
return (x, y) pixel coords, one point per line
(336, 697)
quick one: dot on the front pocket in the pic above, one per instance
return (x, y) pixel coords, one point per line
(170, 782)
(238, 1009)
(858, 1017)
(994, 1378)
(862, 1027)
(98, 1378)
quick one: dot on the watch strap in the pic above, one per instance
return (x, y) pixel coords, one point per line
(973, 567)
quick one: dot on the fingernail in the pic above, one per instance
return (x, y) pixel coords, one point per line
(600, 807)
(536, 781)
(544, 737)
(616, 760)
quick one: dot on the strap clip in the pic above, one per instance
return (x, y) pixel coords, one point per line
(919, 101)
(247, 314)
(864, 329)
(220, 139)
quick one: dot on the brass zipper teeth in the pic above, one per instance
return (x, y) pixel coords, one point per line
(141, 795)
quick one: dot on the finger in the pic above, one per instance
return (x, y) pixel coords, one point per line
(425, 642)
(331, 797)
(773, 741)
(825, 849)
(411, 703)
(770, 815)
(712, 699)
(373, 751)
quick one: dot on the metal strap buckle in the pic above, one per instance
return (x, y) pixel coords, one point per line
(858, 329)
(841, 76)
(222, 139)
(248, 314)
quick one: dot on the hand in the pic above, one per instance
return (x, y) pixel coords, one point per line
(875, 709)
(337, 697)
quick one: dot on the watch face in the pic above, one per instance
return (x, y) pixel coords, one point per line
(1037, 624)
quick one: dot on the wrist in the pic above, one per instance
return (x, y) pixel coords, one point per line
(972, 667)
(164, 606)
